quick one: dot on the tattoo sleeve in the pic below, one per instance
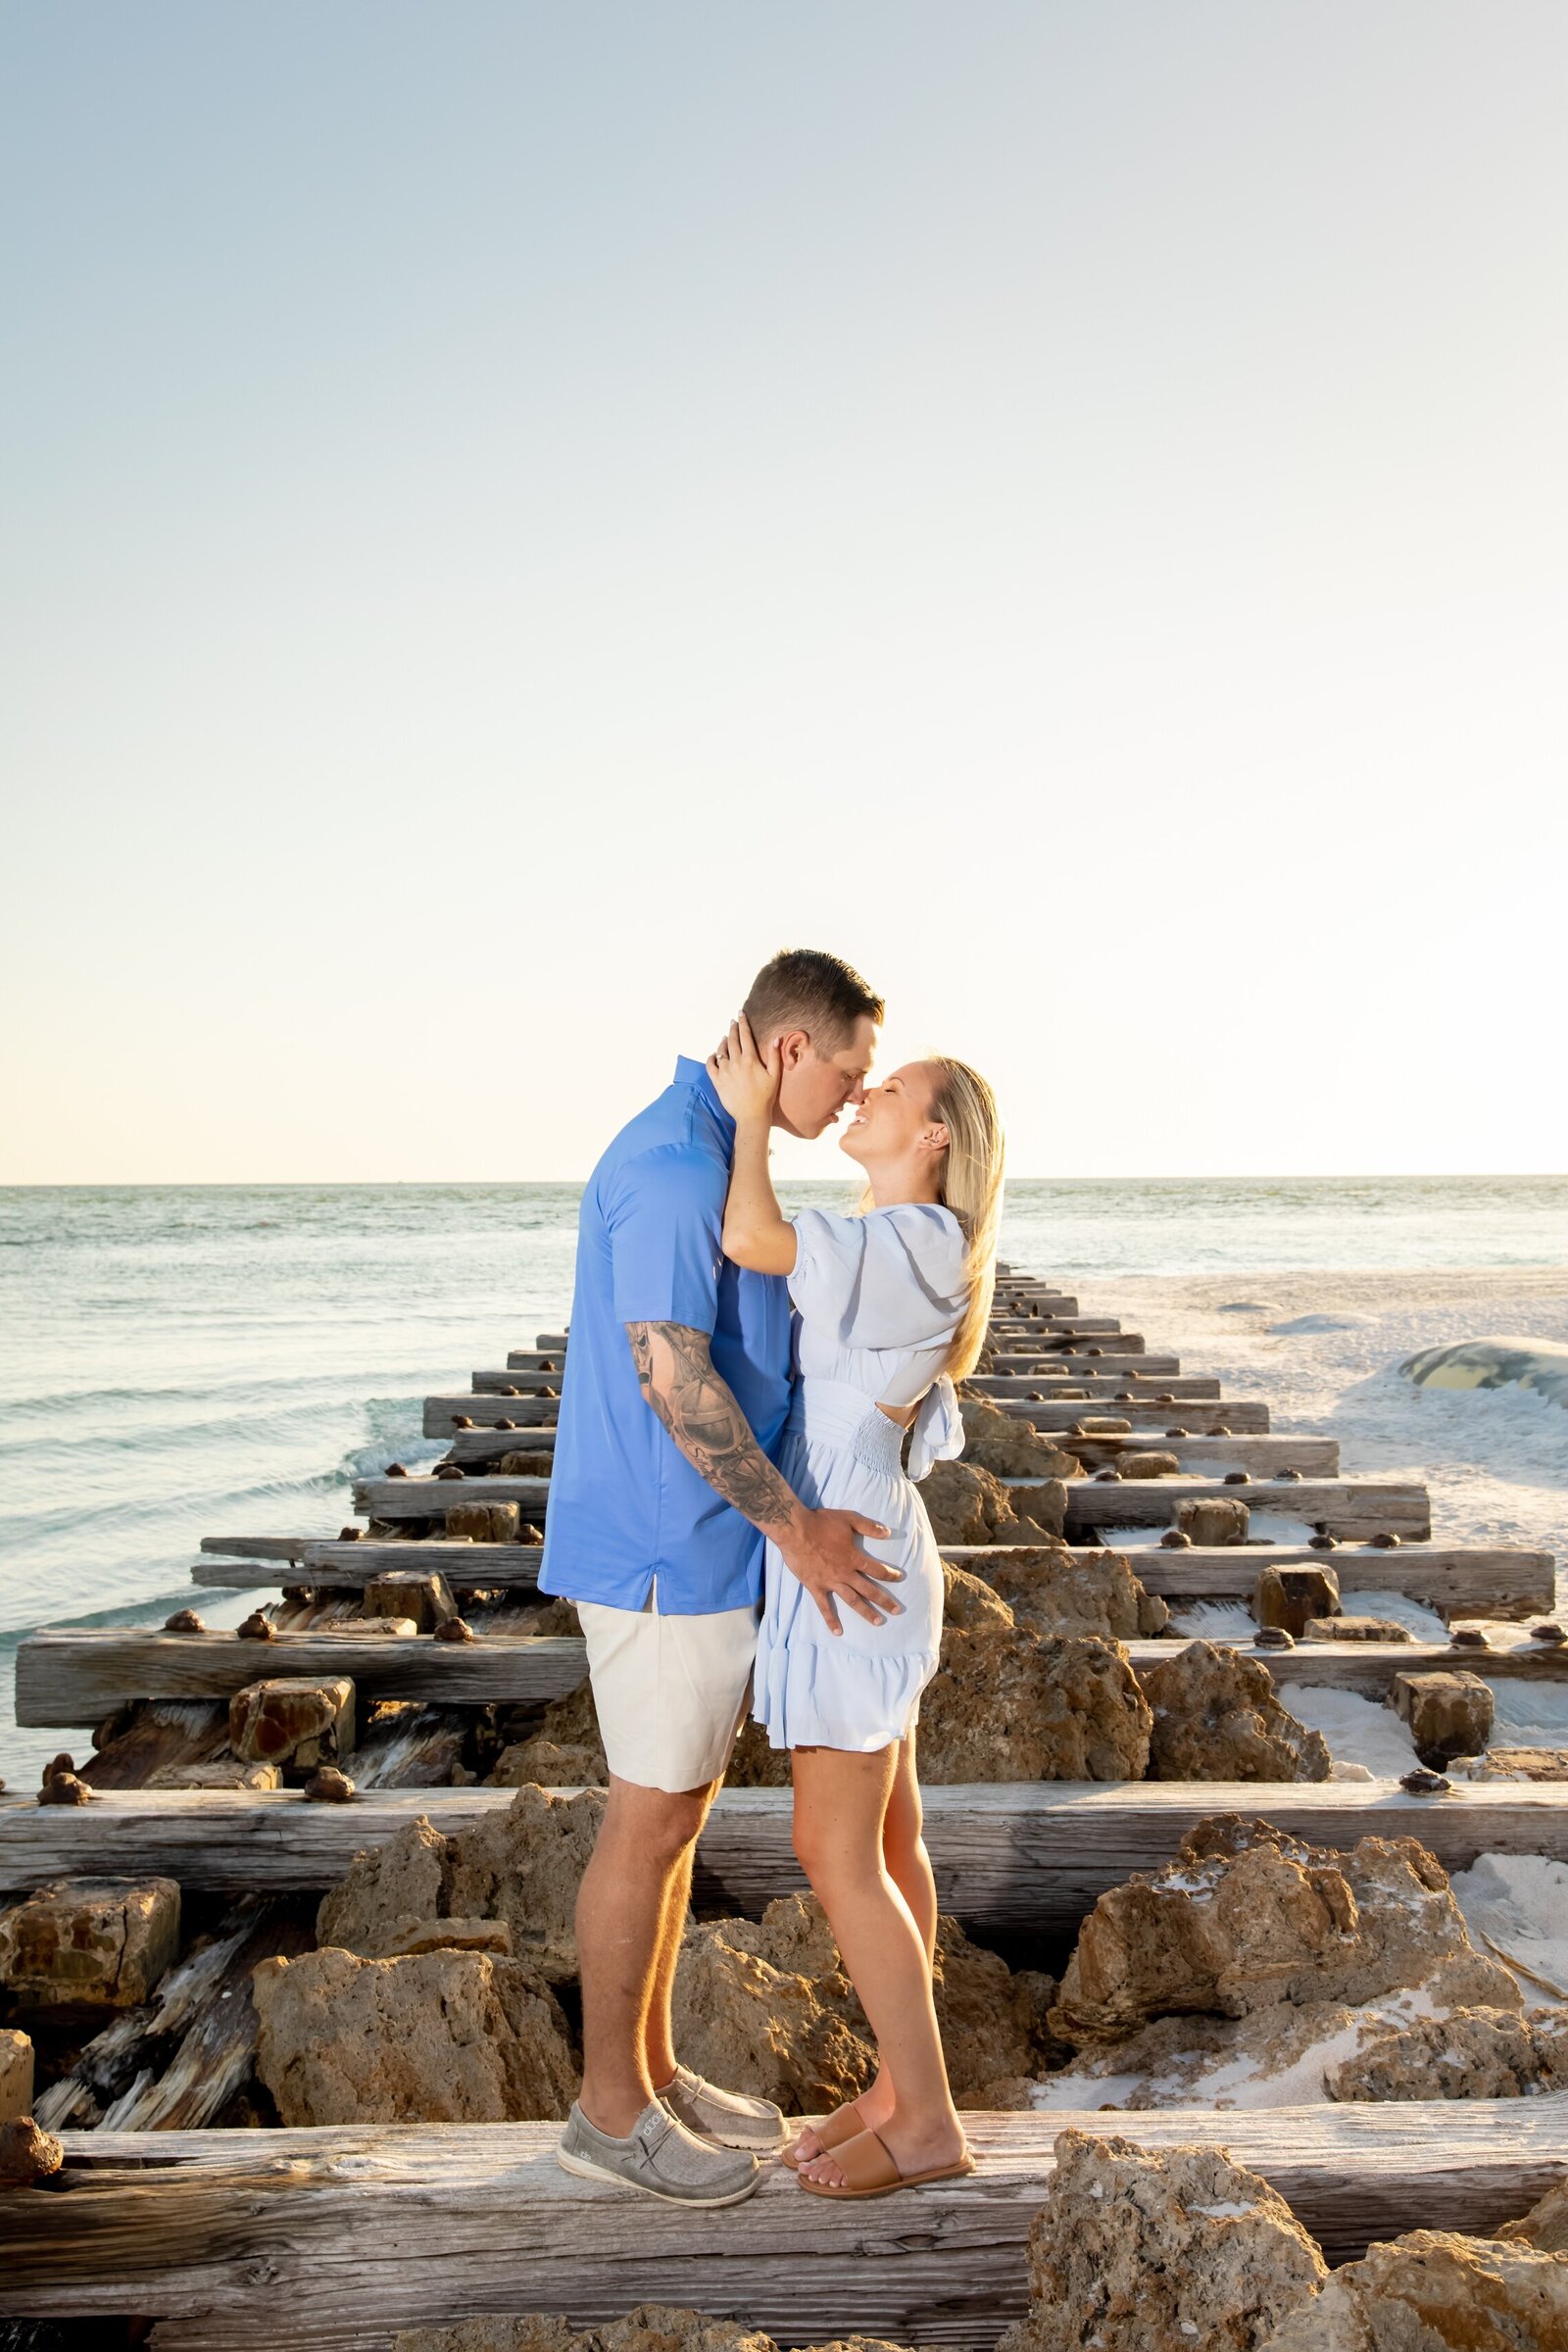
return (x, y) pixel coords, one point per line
(676, 1376)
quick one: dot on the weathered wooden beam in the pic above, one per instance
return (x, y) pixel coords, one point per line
(280, 2240)
(1094, 1392)
(1347, 1508)
(1005, 1854)
(1243, 1417)
(1205, 1458)
(442, 1413)
(70, 1676)
(1457, 1581)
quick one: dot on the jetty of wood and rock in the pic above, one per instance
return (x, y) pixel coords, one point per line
(289, 1968)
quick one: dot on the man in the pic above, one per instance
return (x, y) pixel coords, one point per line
(675, 1394)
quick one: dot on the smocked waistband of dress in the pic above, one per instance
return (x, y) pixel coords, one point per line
(833, 1412)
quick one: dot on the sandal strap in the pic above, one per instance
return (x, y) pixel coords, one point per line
(865, 2162)
(844, 2123)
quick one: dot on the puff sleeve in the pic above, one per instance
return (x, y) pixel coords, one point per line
(891, 1279)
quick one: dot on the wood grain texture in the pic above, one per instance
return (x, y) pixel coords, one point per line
(369, 2229)
(1457, 1581)
(72, 1677)
(1005, 1855)
(1347, 1508)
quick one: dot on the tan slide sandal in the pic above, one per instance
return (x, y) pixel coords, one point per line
(869, 2171)
(844, 2123)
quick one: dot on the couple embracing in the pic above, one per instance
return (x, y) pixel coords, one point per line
(730, 1512)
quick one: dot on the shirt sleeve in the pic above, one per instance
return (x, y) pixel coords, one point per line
(665, 1220)
(892, 1279)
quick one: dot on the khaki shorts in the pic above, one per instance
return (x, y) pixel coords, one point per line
(669, 1691)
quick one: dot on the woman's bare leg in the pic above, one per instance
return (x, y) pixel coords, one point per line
(841, 1807)
(908, 1866)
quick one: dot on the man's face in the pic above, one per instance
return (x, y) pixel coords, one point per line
(815, 1088)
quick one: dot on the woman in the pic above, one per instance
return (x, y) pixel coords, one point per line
(891, 1309)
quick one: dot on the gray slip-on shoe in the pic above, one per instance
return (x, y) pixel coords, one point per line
(660, 2157)
(730, 2118)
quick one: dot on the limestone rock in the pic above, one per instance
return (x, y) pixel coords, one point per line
(1010, 1447)
(1470, 2054)
(1134, 2250)
(1010, 1704)
(16, 2075)
(537, 1464)
(1208, 1520)
(1545, 2225)
(754, 1763)
(451, 1936)
(565, 1751)
(27, 2154)
(754, 2025)
(521, 1866)
(484, 1522)
(1248, 1916)
(423, 1595)
(1449, 1714)
(1521, 1764)
(651, 2327)
(1434, 2290)
(1290, 1597)
(1059, 1592)
(89, 1944)
(293, 1720)
(557, 1621)
(966, 1504)
(1148, 1466)
(437, 2037)
(969, 1601)
(1216, 1718)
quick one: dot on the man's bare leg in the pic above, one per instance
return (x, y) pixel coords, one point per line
(625, 1906)
(658, 2040)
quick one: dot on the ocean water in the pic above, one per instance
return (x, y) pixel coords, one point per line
(177, 1362)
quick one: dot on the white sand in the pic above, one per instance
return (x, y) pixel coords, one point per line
(1520, 1901)
(1322, 1351)
(1362, 1733)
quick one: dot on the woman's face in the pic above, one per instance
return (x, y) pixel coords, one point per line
(890, 1120)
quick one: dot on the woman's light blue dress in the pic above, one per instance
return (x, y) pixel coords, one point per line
(877, 1299)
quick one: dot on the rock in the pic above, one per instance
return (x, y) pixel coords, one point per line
(426, 1597)
(293, 1720)
(257, 1626)
(1137, 2251)
(967, 1504)
(185, 1621)
(1422, 1782)
(27, 2154)
(993, 2021)
(16, 2075)
(435, 2037)
(565, 1751)
(1545, 2225)
(526, 1465)
(1521, 1764)
(1010, 1704)
(556, 1621)
(995, 1440)
(65, 1788)
(651, 2327)
(219, 1772)
(1449, 1714)
(1216, 1717)
(1055, 1590)
(1148, 1466)
(370, 1629)
(484, 1522)
(744, 2021)
(327, 1785)
(754, 1764)
(521, 1866)
(968, 1601)
(89, 1944)
(1248, 1916)
(451, 1936)
(1469, 2054)
(1292, 1596)
(1213, 1520)
(455, 1628)
(1432, 2290)
(1356, 1628)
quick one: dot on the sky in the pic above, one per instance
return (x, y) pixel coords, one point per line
(513, 512)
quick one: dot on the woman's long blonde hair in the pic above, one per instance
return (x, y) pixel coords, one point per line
(970, 1185)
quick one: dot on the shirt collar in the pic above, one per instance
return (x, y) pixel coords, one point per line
(695, 1074)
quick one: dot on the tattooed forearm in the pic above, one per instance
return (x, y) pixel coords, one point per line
(676, 1376)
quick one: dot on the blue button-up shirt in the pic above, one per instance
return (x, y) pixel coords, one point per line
(625, 1504)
